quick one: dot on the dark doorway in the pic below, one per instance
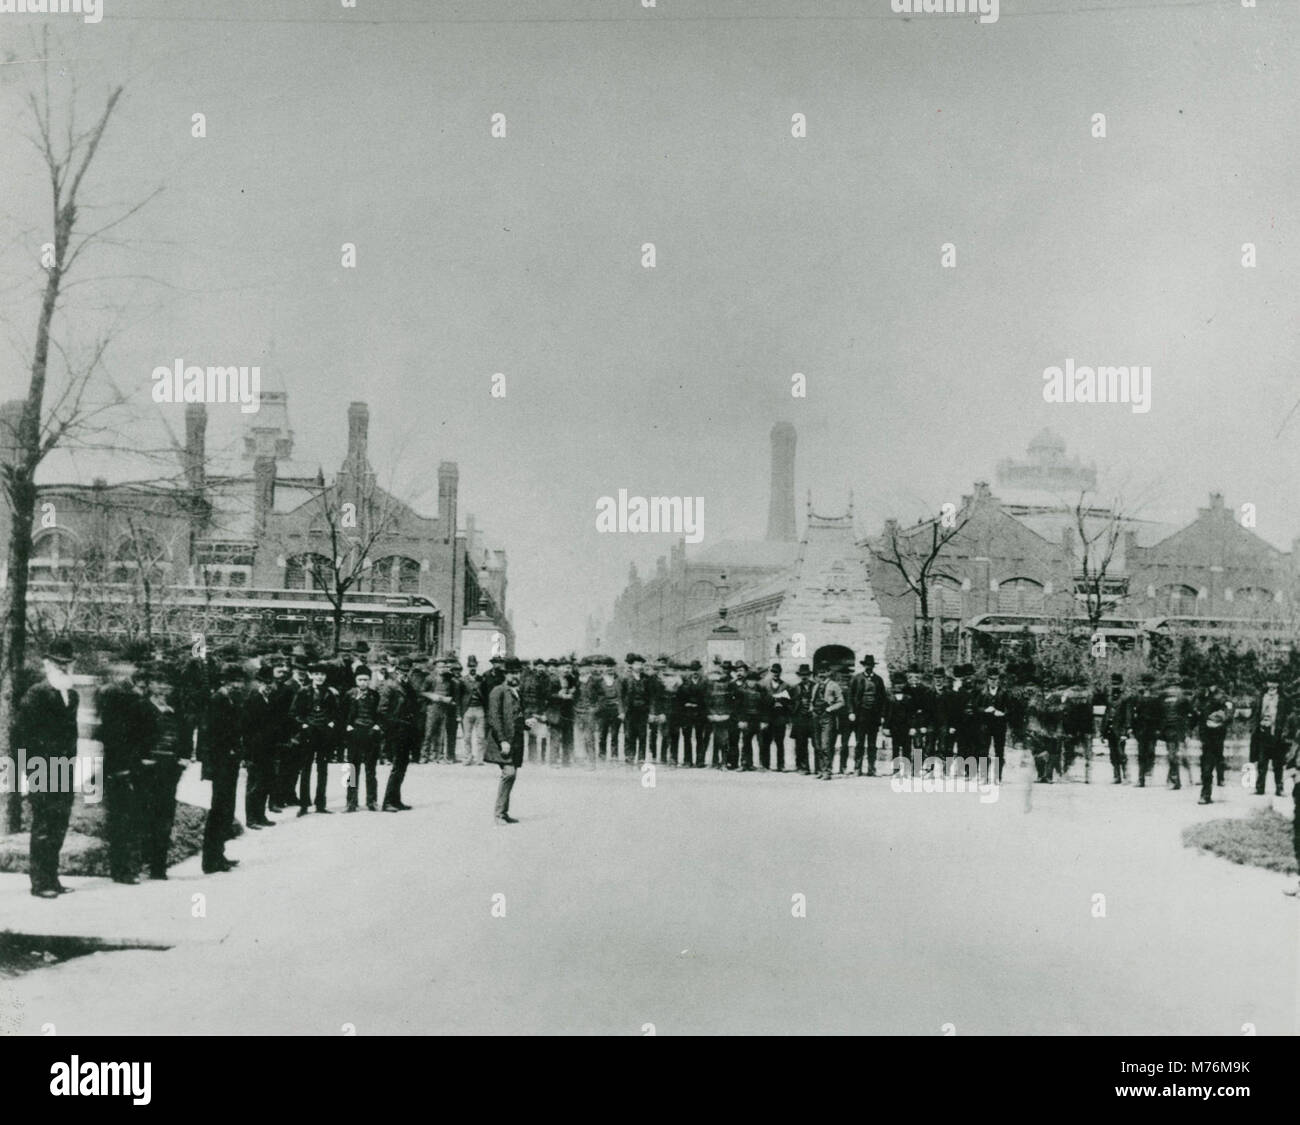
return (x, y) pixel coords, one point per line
(837, 658)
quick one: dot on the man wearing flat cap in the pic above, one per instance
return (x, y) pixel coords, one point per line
(315, 712)
(46, 727)
(505, 743)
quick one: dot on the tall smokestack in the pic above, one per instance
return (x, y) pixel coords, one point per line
(358, 427)
(780, 512)
(196, 427)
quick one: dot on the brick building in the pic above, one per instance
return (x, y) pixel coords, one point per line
(254, 519)
(1017, 564)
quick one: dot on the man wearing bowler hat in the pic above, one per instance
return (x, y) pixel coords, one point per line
(505, 746)
(802, 725)
(868, 700)
(777, 701)
(46, 728)
(692, 705)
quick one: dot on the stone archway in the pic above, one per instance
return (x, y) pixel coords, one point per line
(839, 658)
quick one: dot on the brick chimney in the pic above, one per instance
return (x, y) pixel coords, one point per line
(780, 511)
(196, 429)
(358, 432)
(448, 487)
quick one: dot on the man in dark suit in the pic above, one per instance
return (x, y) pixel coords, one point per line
(868, 700)
(225, 749)
(261, 742)
(1144, 717)
(1270, 720)
(165, 756)
(635, 691)
(691, 706)
(399, 719)
(1112, 727)
(283, 689)
(361, 726)
(46, 728)
(994, 705)
(315, 715)
(123, 725)
(802, 724)
(908, 717)
(505, 745)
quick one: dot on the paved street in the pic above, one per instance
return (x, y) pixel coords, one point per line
(672, 906)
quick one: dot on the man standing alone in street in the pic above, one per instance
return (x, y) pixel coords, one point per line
(505, 723)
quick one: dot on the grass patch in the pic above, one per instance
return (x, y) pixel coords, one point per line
(1263, 839)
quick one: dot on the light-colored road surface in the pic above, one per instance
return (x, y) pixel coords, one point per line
(673, 906)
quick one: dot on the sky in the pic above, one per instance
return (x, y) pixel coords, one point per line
(774, 255)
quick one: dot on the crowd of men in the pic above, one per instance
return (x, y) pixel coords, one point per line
(287, 718)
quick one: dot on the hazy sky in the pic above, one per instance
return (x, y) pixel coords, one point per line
(775, 255)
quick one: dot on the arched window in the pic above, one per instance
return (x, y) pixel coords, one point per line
(945, 597)
(395, 574)
(54, 555)
(1176, 600)
(302, 572)
(1020, 595)
(1253, 600)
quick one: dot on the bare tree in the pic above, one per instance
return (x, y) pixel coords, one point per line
(351, 517)
(914, 554)
(48, 418)
(1097, 546)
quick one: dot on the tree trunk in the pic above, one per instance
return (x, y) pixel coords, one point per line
(22, 497)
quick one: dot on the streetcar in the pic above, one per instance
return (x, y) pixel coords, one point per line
(395, 623)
